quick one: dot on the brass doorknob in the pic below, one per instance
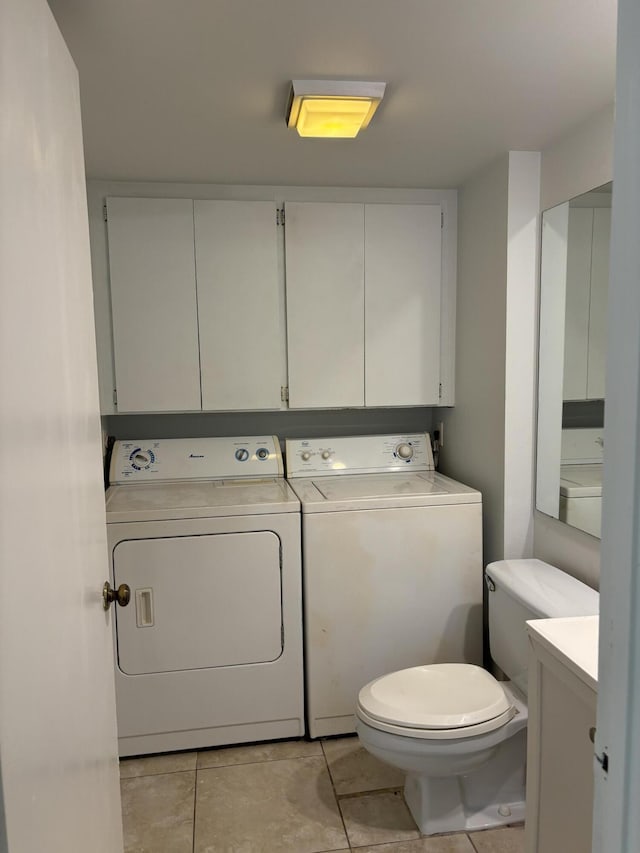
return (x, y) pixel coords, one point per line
(121, 596)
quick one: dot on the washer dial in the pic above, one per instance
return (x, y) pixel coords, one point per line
(141, 459)
(242, 454)
(404, 451)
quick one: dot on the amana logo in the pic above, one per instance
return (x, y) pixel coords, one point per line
(196, 456)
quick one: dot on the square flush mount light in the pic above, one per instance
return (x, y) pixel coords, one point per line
(336, 109)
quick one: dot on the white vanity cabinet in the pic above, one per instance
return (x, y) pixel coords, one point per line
(154, 304)
(586, 302)
(562, 717)
(363, 304)
(195, 302)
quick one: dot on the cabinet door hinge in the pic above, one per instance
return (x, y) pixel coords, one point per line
(280, 216)
(115, 397)
(104, 211)
(603, 757)
(603, 760)
(440, 391)
(284, 393)
(442, 218)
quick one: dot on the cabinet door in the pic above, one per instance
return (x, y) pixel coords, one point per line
(402, 304)
(560, 760)
(153, 299)
(325, 304)
(238, 304)
(576, 331)
(598, 305)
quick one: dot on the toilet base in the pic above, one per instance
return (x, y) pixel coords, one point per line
(492, 795)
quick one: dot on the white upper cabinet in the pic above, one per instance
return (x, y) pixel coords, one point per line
(598, 306)
(586, 303)
(576, 333)
(325, 304)
(217, 307)
(402, 304)
(363, 304)
(153, 300)
(238, 304)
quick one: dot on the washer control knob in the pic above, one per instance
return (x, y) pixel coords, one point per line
(305, 456)
(404, 451)
(141, 459)
(326, 454)
(242, 454)
(262, 453)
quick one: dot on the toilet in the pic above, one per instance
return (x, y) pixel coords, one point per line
(457, 732)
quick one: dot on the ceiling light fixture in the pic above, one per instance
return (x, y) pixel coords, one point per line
(336, 109)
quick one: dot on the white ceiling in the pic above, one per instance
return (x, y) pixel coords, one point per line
(195, 90)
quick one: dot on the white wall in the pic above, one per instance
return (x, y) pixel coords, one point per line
(474, 431)
(521, 351)
(489, 436)
(574, 164)
(579, 161)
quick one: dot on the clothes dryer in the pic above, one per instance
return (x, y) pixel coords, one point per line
(392, 566)
(206, 533)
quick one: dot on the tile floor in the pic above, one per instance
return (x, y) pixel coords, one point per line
(285, 797)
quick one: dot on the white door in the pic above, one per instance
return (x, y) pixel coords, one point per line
(58, 759)
(324, 246)
(617, 780)
(238, 304)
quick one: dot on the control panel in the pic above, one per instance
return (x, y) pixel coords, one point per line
(164, 460)
(363, 454)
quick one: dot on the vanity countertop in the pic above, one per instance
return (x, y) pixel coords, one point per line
(573, 641)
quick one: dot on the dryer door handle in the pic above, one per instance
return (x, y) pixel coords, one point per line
(121, 596)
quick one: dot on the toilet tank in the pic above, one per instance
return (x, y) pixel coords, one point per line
(529, 589)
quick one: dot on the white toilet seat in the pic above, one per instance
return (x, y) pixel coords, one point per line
(438, 702)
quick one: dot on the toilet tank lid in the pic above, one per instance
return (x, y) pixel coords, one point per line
(544, 589)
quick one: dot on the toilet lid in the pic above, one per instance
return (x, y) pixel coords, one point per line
(437, 696)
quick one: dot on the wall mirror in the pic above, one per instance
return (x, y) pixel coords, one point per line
(574, 281)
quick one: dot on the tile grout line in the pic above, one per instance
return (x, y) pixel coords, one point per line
(469, 836)
(360, 795)
(150, 775)
(354, 795)
(335, 795)
(218, 766)
(195, 806)
(264, 761)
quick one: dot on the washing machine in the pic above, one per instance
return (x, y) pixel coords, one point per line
(582, 452)
(581, 497)
(206, 533)
(392, 566)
